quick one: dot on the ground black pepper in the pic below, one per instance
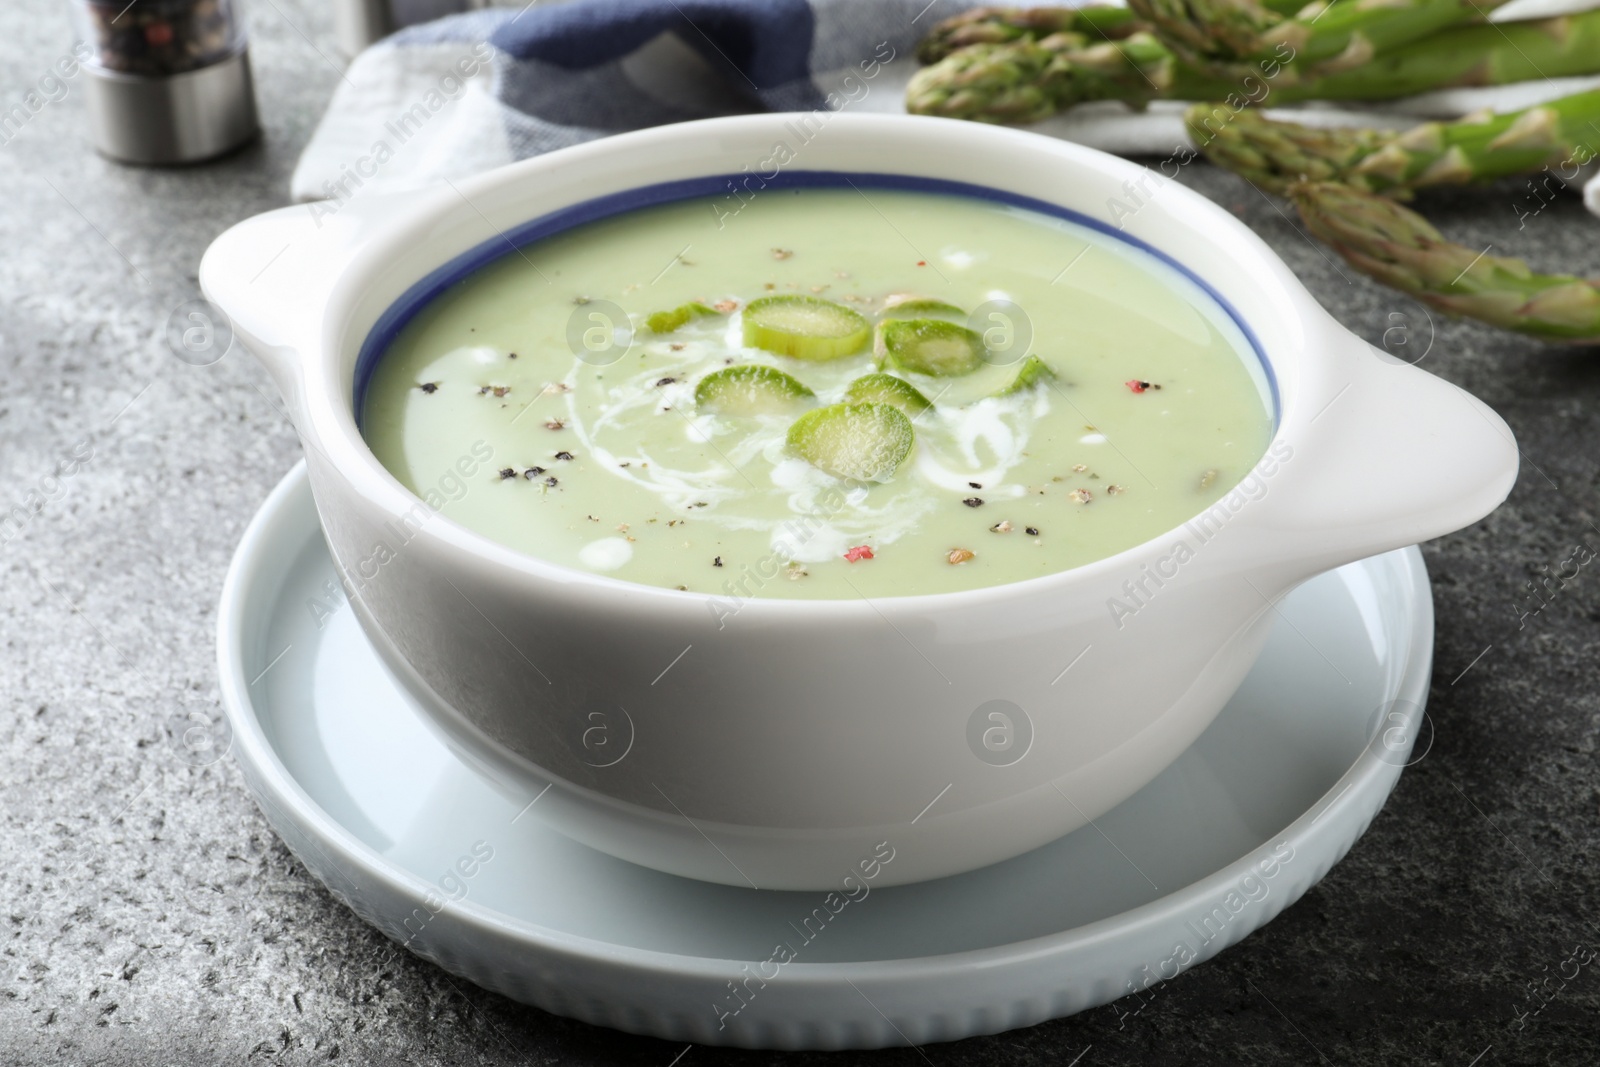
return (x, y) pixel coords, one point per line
(161, 37)
(973, 502)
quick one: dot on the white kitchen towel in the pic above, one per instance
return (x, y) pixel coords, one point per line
(473, 91)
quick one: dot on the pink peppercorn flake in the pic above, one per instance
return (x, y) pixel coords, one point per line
(1140, 386)
(859, 552)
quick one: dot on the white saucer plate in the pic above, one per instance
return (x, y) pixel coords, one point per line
(1254, 814)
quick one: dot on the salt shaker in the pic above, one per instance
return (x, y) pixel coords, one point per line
(168, 80)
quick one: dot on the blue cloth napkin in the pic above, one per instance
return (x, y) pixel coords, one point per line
(766, 43)
(471, 91)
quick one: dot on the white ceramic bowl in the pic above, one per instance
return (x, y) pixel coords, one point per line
(802, 744)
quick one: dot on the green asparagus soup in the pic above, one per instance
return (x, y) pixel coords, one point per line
(833, 393)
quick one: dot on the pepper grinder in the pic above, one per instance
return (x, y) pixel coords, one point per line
(168, 80)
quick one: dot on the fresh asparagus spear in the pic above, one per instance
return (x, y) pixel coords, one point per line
(1236, 38)
(1275, 155)
(1001, 25)
(1499, 54)
(1205, 33)
(1026, 81)
(1400, 248)
(1478, 148)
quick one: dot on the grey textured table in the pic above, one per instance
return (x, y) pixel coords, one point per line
(148, 915)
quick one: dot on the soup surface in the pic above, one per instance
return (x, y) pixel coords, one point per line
(1070, 396)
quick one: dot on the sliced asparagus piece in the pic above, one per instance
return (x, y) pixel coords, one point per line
(805, 327)
(933, 347)
(678, 317)
(864, 442)
(1033, 372)
(918, 307)
(1402, 249)
(887, 389)
(750, 389)
(1026, 81)
(1274, 154)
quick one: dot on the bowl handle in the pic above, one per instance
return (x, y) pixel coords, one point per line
(1383, 455)
(271, 275)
